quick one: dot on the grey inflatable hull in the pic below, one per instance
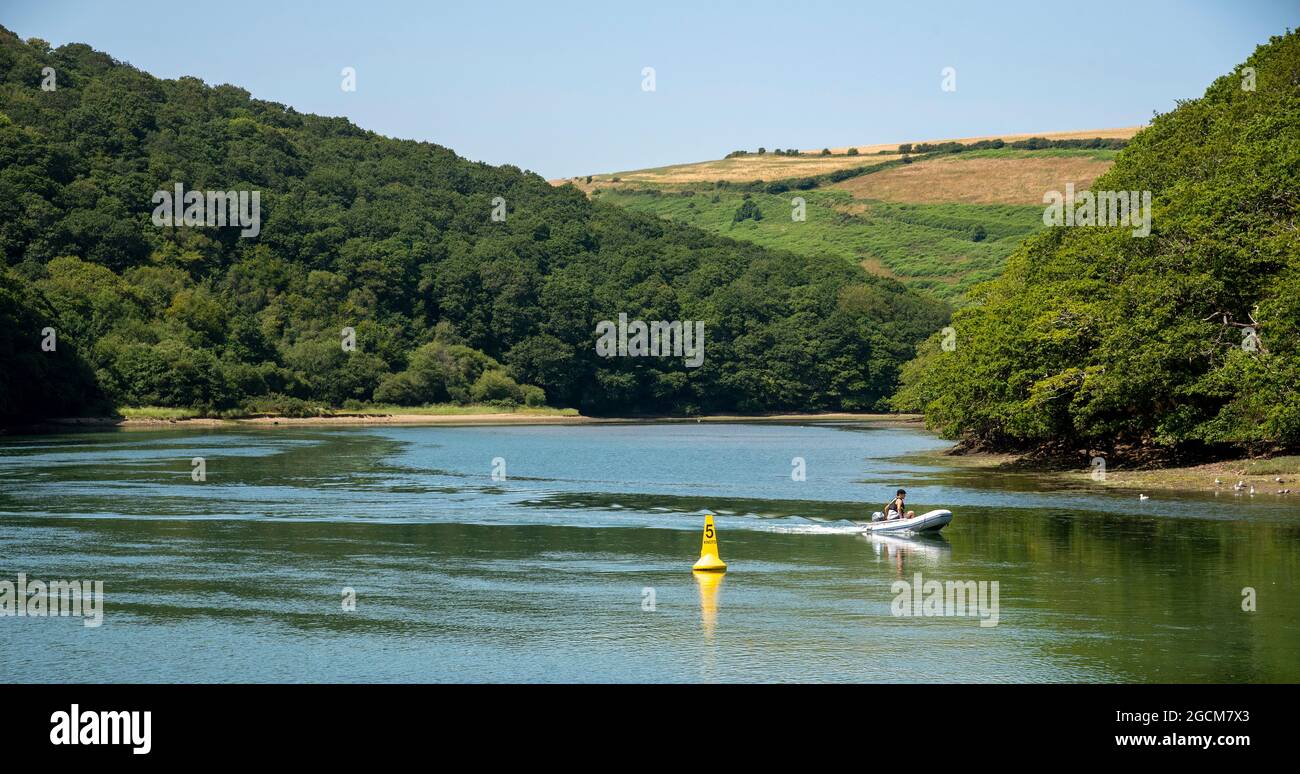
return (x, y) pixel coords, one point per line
(926, 522)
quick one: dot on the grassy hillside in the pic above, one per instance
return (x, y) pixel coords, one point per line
(937, 221)
(930, 247)
(1095, 338)
(393, 239)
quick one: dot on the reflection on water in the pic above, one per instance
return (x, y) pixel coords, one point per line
(898, 551)
(710, 583)
(540, 577)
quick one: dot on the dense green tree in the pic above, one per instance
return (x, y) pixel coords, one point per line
(1093, 336)
(748, 210)
(395, 240)
(43, 372)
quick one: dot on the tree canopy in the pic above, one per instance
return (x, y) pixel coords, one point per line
(1185, 338)
(394, 239)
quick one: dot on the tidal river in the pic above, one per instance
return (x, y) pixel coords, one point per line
(394, 554)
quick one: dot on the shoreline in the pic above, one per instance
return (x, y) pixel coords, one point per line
(468, 419)
(1260, 473)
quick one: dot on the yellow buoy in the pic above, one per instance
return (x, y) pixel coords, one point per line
(709, 559)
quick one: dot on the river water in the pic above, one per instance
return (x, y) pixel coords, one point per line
(394, 554)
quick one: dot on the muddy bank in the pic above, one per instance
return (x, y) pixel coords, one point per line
(1269, 476)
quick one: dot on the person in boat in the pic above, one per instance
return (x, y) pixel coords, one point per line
(897, 507)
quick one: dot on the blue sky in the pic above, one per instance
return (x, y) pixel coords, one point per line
(555, 87)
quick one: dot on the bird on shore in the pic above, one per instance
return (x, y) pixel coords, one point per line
(1240, 485)
(1284, 491)
(1217, 482)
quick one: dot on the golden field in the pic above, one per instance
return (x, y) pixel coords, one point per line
(1020, 179)
(769, 166)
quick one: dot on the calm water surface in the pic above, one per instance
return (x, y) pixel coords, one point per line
(545, 576)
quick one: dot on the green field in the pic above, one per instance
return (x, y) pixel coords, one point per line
(941, 247)
(927, 246)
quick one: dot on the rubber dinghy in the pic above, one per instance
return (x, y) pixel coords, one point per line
(932, 521)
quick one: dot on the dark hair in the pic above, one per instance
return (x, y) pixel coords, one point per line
(901, 492)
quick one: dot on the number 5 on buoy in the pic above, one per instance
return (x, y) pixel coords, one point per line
(709, 559)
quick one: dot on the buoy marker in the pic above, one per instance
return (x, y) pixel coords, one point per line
(709, 559)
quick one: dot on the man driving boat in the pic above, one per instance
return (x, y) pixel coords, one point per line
(897, 507)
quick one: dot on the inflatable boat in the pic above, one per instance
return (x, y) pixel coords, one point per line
(932, 521)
